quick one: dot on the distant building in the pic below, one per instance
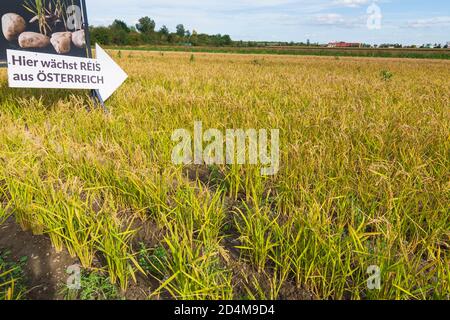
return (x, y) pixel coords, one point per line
(344, 45)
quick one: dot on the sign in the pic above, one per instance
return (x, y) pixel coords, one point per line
(42, 70)
(46, 44)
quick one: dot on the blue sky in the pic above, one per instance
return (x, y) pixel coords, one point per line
(403, 21)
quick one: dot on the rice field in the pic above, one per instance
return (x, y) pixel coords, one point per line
(364, 177)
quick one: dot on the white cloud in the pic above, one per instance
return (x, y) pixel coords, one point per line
(430, 22)
(353, 3)
(337, 20)
(329, 19)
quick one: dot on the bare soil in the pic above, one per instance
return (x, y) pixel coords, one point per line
(45, 269)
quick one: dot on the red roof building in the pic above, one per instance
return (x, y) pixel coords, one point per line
(344, 45)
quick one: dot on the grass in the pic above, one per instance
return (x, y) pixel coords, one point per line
(11, 279)
(364, 177)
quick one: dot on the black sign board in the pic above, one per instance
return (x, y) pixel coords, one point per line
(45, 26)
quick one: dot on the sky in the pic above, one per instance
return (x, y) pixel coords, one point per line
(367, 21)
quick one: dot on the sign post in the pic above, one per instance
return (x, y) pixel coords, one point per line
(95, 93)
(46, 44)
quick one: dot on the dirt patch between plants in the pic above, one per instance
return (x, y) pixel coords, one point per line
(45, 269)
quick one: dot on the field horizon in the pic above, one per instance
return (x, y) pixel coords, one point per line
(418, 53)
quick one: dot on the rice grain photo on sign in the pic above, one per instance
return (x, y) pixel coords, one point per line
(44, 26)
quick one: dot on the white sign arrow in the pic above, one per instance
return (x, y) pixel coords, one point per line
(39, 70)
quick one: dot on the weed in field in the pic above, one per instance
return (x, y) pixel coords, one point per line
(153, 261)
(11, 278)
(386, 75)
(94, 286)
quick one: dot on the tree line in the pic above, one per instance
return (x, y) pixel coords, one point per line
(145, 32)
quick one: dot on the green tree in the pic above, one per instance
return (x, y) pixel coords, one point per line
(119, 25)
(100, 35)
(164, 31)
(119, 33)
(146, 25)
(194, 38)
(181, 31)
(226, 40)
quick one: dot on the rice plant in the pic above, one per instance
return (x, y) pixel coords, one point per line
(364, 177)
(47, 13)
